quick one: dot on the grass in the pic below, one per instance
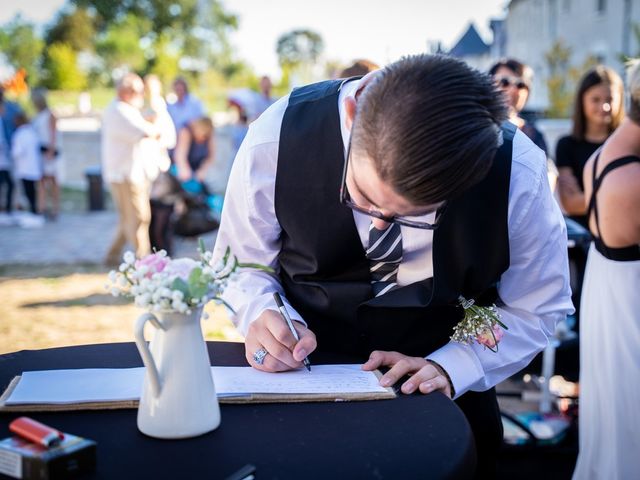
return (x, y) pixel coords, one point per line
(54, 306)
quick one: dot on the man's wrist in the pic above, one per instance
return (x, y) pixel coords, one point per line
(444, 373)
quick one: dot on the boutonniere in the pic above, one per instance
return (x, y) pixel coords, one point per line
(480, 324)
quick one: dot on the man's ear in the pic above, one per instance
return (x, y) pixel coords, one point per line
(350, 109)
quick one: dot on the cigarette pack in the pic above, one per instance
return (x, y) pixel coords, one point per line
(20, 458)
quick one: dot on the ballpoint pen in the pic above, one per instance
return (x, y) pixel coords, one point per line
(285, 315)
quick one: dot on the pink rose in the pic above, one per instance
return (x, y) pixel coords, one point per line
(154, 262)
(490, 339)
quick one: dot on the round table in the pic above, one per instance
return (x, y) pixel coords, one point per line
(412, 436)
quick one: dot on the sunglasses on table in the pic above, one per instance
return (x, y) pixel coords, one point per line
(407, 221)
(506, 81)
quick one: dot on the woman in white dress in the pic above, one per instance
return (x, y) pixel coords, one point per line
(610, 320)
(44, 124)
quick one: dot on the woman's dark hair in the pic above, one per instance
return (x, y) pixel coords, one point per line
(520, 69)
(599, 75)
(430, 124)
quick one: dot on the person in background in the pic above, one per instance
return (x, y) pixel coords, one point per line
(265, 100)
(358, 68)
(156, 151)
(597, 111)
(8, 112)
(195, 150)
(45, 126)
(157, 162)
(25, 151)
(186, 108)
(6, 180)
(514, 79)
(609, 424)
(123, 128)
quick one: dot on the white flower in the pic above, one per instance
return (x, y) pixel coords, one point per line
(115, 292)
(123, 281)
(123, 267)
(113, 276)
(177, 295)
(129, 258)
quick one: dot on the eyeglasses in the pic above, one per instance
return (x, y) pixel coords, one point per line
(506, 81)
(407, 221)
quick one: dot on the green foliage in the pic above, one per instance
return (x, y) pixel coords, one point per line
(22, 47)
(61, 69)
(560, 95)
(299, 47)
(119, 46)
(76, 28)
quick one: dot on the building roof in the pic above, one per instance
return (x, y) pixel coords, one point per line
(469, 44)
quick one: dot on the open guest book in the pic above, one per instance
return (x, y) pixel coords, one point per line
(109, 388)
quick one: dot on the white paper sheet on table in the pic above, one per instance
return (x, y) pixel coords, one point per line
(121, 384)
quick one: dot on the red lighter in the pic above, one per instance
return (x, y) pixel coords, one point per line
(36, 432)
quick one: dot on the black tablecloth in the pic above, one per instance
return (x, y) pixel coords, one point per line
(416, 436)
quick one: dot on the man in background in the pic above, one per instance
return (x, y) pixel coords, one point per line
(123, 129)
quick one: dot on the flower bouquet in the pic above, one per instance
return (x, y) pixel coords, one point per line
(160, 283)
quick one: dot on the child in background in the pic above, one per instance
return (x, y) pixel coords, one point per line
(26, 159)
(44, 124)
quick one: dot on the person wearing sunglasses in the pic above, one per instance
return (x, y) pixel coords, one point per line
(379, 202)
(514, 78)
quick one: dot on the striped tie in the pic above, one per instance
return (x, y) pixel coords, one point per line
(385, 255)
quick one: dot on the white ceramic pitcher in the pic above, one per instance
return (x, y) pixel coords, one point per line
(178, 397)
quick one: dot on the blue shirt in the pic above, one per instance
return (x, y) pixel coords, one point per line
(185, 111)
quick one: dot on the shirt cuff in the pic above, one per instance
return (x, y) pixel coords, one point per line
(461, 363)
(252, 310)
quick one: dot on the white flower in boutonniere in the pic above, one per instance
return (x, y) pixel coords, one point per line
(480, 324)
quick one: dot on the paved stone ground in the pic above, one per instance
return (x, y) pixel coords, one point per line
(74, 238)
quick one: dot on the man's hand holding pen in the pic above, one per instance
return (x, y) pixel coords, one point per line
(271, 333)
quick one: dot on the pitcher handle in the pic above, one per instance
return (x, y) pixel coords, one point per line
(145, 353)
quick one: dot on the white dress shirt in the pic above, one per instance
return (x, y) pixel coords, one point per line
(123, 128)
(535, 289)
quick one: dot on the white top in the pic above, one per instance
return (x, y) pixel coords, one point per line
(42, 125)
(123, 127)
(185, 111)
(535, 288)
(25, 151)
(155, 150)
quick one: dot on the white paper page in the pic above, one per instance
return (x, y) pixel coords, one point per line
(321, 379)
(120, 384)
(78, 386)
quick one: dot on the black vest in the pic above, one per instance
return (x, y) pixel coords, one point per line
(323, 267)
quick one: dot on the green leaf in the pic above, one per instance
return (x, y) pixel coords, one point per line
(181, 285)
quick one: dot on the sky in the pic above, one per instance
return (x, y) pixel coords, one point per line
(379, 30)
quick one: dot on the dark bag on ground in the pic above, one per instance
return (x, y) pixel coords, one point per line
(193, 216)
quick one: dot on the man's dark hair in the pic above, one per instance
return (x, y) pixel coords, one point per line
(430, 124)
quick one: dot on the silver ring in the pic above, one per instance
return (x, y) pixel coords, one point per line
(258, 357)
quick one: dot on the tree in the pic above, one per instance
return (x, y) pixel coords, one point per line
(192, 30)
(22, 47)
(119, 46)
(76, 28)
(61, 69)
(298, 51)
(299, 47)
(560, 97)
